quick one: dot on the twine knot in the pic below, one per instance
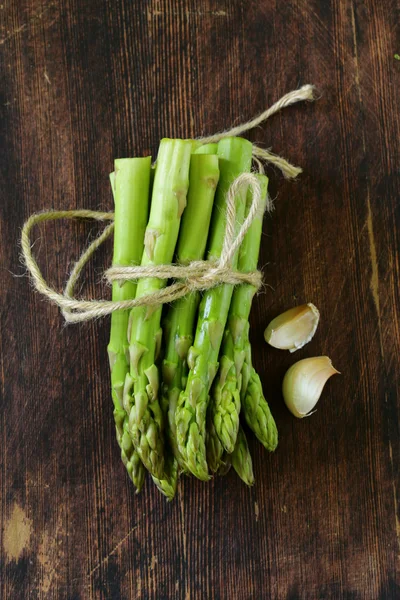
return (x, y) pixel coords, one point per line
(204, 274)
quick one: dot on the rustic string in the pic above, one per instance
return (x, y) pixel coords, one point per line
(306, 92)
(198, 275)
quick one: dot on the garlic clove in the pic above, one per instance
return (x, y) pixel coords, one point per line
(294, 328)
(303, 384)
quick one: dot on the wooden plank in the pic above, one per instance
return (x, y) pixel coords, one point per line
(85, 82)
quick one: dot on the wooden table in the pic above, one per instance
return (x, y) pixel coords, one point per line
(84, 82)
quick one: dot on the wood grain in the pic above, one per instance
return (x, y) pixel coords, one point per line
(84, 82)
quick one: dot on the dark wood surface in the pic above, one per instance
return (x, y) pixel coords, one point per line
(86, 81)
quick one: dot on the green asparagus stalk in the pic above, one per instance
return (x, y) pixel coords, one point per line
(178, 325)
(255, 407)
(241, 459)
(130, 457)
(225, 401)
(225, 464)
(235, 158)
(214, 448)
(168, 483)
(130, 185)
(207, 149)
(146, 423)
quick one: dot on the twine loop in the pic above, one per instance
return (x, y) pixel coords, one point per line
(198, 275)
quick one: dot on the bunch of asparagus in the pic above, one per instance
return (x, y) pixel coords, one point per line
(181, 374)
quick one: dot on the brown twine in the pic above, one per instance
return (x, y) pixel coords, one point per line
(198, 275)
(306, 92)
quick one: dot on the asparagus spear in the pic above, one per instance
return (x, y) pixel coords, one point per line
(207, 149)
(179, 322)
(235, 158)
(169, 481)
(130, 185)
(214, 448)
(241, 459)
(225, 464)
(225, 401)
(141, 385)
(130, 457)
(255, 407)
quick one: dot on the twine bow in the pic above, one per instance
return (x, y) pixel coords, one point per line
(198, 275)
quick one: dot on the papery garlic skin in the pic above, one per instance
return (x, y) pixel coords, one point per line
(294, 328)
(303, 384)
